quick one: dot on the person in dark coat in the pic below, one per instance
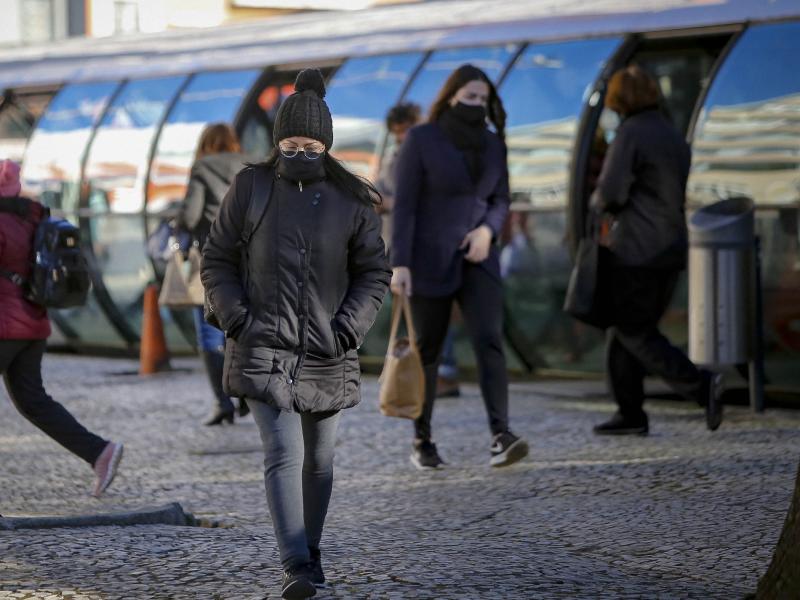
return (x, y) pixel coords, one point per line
(24, 327)
(641, 191)
(295, 310)
(217, 161)
(451, 202)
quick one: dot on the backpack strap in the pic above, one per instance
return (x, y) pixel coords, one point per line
(15, 278)
(22, 207)
(260, 194)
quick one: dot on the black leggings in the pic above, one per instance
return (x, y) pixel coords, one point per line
(480, 298)
(21, 364)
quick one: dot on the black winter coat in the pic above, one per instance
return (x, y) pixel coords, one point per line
(209, 181)
(297, 303)
(437, 204)
(643, 184)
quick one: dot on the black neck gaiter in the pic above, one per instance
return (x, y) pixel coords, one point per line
(465, 126)
(301, 169)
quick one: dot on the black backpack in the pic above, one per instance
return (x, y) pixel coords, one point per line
(59, 276)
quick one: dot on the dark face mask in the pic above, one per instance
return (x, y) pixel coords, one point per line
(473, 115)
(301, 168)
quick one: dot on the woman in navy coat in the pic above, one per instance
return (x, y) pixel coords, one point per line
(450, 203)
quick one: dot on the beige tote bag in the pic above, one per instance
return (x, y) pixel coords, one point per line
(182, 287)
(402, 391)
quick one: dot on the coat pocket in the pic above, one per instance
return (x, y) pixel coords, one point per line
(321, 385)
(248, 372)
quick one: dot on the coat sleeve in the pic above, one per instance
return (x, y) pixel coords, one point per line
(409, 174)
(369, 273)
(499, 201)
(221, 266)
(193, 202)
(617, 175)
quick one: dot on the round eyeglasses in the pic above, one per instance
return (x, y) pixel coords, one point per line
(311, 151)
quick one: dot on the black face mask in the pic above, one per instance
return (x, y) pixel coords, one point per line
(301, 168)
(471, 114)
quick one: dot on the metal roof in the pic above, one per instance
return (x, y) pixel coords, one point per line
(314, 37)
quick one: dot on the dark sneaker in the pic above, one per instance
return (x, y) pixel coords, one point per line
(712, 400)
(424, 455)
(619, 425)
(315, 573)
(507, 449)
(297, 584)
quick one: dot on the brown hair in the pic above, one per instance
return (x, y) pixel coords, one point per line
(631, 90)
(458, 79)
(217, 138)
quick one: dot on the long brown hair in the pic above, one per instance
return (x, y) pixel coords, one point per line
(632, 89)
(217, 138)
(458, 79)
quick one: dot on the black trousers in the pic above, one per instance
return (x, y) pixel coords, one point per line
(634, 345)
(480, 298)
(21, 365)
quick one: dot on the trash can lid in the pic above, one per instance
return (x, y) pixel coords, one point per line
(727, 222)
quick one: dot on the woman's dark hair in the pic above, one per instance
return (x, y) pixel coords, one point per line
(458, 79)
(217, 138)
(343, 179)
(631, 90)
(400, 114)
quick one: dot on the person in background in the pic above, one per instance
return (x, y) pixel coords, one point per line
(451, 202)
(295, 311)
(217, 160)
(399, 120)
(641, 197)
(24, 327)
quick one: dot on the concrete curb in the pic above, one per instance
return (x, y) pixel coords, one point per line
(169, 514)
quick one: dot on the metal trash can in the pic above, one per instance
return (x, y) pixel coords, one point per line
(724, 294)
(721, 283)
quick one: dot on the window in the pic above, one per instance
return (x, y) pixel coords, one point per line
(208, 98)
(18, 114)
(37, 20)
(492, 60)
(543, 96)
(359, 96)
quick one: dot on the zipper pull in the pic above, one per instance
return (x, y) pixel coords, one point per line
(300, 185)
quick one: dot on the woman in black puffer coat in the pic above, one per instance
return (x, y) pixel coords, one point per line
(295, 304)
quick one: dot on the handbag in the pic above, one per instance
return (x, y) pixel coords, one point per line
(182, 287)
(402, 391)
(162, 241)
(585, 299)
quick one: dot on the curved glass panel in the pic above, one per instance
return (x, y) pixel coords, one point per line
(359, 96)
(492, 59)
(51, 173)
(115, 172)
(544, 94)
(747, 142)
(208, 98)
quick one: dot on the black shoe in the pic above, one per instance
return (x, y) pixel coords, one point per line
(711, 399)
(244, 409)
(507, 449)
(297, 584)
(424, 455)
(315, 573)
(220, 416)
(619, 425)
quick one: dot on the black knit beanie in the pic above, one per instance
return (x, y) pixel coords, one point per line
(305, 113)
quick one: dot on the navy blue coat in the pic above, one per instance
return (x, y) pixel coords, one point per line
(437, 204)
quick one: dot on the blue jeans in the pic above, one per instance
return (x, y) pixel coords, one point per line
(298, 476)
(209, 338)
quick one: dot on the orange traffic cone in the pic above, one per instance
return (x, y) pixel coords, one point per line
(153, 353)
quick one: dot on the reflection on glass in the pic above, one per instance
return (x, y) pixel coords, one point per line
(209, 97)
(18, 114)
(256, 139)
(117, 160)
(359, 96)
(543, 96)
(492, 60)
(51, 169)
(746, 142)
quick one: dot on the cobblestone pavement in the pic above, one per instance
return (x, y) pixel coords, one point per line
(683, 513)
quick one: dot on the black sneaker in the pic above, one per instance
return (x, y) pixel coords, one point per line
(424, 455)
(297, 584)
(315, 573)
(507, 449)
(712, 399)
(619, 425)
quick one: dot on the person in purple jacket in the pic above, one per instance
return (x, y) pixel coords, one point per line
(451, 201)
